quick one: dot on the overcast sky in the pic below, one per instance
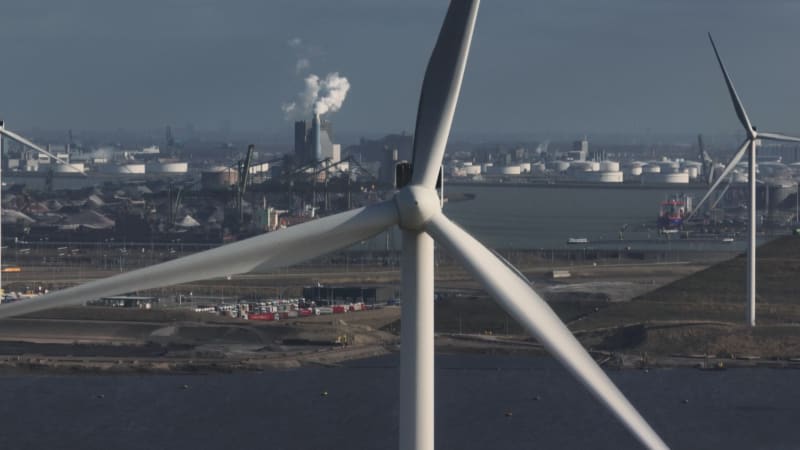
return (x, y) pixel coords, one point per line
(536, 66)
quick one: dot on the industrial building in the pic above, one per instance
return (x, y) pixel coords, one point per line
(313, 141)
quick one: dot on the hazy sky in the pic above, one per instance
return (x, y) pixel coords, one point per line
(536, 66)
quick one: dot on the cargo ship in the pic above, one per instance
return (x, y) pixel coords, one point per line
(674, 211)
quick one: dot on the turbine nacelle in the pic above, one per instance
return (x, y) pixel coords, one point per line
(416, 205)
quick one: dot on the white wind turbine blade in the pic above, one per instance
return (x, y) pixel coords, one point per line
(521, 302)
(736, 158)
(14, 136)
(722, 194)
(737, 103)
(267, 251)
(777, 137)
(440, 90)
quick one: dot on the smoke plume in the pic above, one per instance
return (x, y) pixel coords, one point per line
(320, 95)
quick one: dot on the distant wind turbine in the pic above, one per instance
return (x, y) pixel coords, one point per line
(417, 210)
(749, 143)
(16, 137)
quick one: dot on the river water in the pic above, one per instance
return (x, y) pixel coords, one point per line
(284, 409)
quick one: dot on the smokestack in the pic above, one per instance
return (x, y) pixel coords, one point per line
(315, 136)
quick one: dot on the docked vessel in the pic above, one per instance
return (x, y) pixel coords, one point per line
(674, 211)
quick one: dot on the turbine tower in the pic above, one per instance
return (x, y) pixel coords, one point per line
(416, 209)
(748, 144)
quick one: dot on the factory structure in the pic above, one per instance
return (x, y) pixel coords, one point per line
(313, 142)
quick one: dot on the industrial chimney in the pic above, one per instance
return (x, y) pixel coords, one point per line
(317, 148)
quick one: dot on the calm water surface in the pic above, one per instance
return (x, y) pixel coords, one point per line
(734, 409)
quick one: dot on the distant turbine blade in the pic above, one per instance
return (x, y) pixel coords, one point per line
(777, 137)
(521, 302)
(736, 158)
(440, 90)
(268, 251)
(14, 136)
(737, 103)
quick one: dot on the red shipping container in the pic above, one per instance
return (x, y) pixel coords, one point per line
(261, 316)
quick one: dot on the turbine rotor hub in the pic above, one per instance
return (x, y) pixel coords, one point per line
(416, 205)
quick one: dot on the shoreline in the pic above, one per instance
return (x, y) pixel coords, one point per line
(333, 356)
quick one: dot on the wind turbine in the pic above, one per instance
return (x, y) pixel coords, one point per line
(417, 210)
(748, 144)
(15, 137)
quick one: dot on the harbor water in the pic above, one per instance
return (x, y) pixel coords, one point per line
(482, 402)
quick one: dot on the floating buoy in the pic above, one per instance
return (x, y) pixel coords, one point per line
(185, 386)
(509, 414)
(324, 393)
(99, 396)
(537, 398)
(685, 401)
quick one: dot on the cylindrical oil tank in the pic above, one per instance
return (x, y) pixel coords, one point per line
(504, 170)
(71, 168)
(472, 170)
(609, 166)
(634, 171)
(600, 177)
(693, 172)
(525, 167)
(558, 166)
(538, 168)
(665, 178)
(168, 167)
(124, 168)
(651, 168)
(218, 178)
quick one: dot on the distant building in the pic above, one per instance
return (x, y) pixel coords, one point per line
(304, 142)
(580, 150)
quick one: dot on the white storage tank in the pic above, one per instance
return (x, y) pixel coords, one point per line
(609, 166)
(125, 169)
(219, 178)
(600, 177)
(72, 168)
(525, 167)
(651, 168)
(634, 171)
(505, 170)
(558, 166)
(457, 172)
(665, 178)
(538, 168)
(693, 172)
(168, 167)
(472, 170)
